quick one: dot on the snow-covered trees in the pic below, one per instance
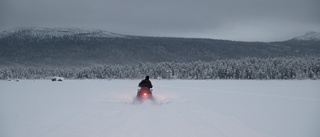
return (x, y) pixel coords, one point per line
(245, 68)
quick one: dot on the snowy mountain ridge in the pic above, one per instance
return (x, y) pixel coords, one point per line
(60, 32)
(309, 36)
(79, 47)
(44, 32)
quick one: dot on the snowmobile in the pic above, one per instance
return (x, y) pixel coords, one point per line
(144, 93)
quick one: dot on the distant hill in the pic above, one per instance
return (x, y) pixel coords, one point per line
(64, 47)
(315, 36)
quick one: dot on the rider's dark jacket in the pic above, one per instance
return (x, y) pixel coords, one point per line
(145, 83)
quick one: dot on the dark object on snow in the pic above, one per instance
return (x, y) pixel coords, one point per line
(146, 83)
(57, 79)
(145, 91)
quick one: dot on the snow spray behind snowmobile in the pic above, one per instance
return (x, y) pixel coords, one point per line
(144, 93)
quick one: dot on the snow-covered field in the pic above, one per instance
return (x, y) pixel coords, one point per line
(183, 108)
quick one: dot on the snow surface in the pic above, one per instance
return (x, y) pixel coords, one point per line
(183, 108)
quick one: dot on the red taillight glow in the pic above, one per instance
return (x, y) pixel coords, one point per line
(145, 94)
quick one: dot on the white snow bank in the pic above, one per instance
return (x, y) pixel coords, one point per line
(221, 108)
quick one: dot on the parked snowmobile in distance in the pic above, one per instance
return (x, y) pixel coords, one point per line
(144, 93)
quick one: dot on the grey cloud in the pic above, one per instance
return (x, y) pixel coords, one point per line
(225, 19)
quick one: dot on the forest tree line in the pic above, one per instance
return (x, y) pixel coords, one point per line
(245, 68)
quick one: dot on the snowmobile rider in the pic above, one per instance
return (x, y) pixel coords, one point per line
(146, 83)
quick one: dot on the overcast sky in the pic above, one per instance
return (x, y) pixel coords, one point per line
(245, 20)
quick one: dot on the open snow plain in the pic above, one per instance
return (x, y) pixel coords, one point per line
(183, 108)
